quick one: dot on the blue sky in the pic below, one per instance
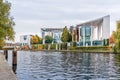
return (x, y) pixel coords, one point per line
(31, 15)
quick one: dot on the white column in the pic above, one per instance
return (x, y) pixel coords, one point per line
(79, 34)
(83, 35)
(91, 37)
(97, 32)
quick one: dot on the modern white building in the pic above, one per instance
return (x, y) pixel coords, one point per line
(92, 32)
(25, 40)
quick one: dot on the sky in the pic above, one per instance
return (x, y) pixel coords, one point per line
(31, 15)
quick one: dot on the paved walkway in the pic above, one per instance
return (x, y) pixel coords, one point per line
(6, 72)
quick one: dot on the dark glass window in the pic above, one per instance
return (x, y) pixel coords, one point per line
(43, 34)
(25, 37)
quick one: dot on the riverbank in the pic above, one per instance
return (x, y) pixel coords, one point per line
(81, 51)
(6, 72)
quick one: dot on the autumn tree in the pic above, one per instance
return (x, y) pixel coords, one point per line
(6, 22)
(112, 38)
(66, 36)
(34, 39)
(40, 40)
(117, 38)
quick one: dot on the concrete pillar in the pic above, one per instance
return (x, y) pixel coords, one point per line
(6, 54)
(91, 37)
(49, 46)
(83, 35)
(97, 32)
(56, 46)
(59, 46)
(79, 33)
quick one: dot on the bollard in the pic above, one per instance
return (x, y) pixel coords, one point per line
(14, 60)
(6, 54)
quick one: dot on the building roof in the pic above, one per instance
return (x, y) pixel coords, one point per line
(93, 22)
(51, 29)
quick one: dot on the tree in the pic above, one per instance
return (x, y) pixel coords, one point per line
(34, 39)
(6, 22)
(111, 38)
(117, 38)
(48, 39)
(70, 37)
(40, 40)
(66, 36)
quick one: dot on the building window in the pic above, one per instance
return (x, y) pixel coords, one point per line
(25, 37)
(43, 34)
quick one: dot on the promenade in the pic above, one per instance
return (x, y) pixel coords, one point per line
(6, 72)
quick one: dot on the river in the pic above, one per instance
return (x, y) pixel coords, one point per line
(41, 65)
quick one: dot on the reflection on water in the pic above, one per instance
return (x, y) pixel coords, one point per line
(67, 66)
(14, 67)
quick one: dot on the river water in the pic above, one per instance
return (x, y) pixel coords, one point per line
(41, 65)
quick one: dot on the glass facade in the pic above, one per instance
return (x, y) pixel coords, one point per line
(56, 37)
(88, 43)
(85, 32)
(97, 43)
(81, 31)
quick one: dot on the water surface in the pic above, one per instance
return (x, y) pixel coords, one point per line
(41, 65)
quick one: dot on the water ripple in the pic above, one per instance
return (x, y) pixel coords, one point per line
(67, 66)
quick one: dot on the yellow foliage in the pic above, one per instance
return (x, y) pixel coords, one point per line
(34, 40)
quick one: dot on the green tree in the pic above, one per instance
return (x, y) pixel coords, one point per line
(48, 39)
(66, 36)
(116, 38)
(6, 22)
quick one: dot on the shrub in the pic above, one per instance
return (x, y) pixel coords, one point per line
(53, 46)
(64, 46)
(74, 44)
(25, 48)
(35, 46)
(40, 46)
(46, 46)
(71, 48)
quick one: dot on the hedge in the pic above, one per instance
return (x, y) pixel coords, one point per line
(37, 46)
(91, 48)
